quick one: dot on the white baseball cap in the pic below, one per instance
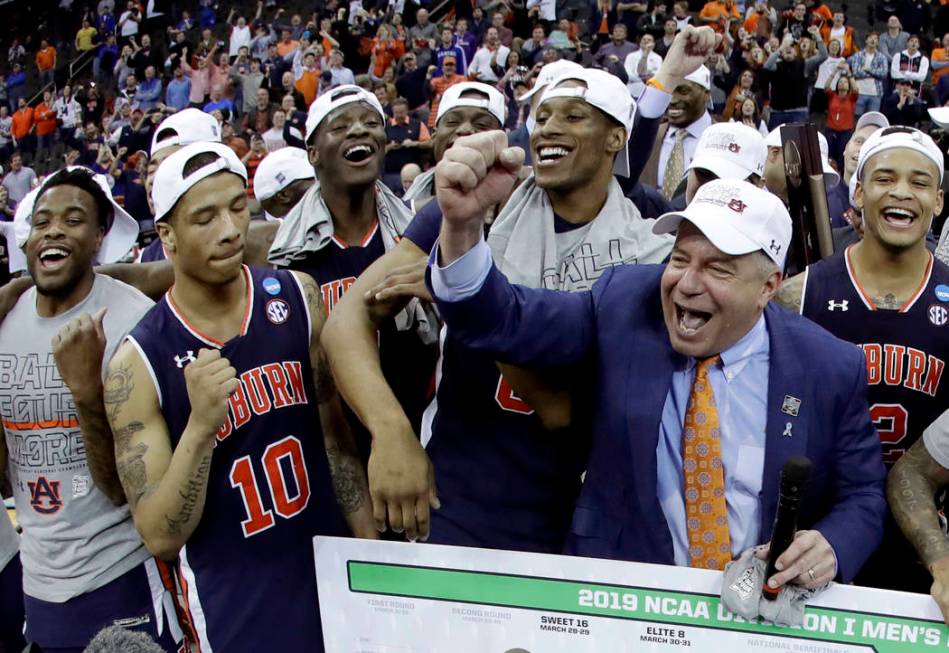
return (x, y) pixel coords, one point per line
(335, 98)
(452, 99)
(939, 115)
(279, 169)
(548, 73)
(119, 237)
(874, 118)
(831, 176)
(190, 126)
(852, 191)
(900, 137)
(171, 183)
(730, 150)
(605, 92)
(737, 217)
(702, 77)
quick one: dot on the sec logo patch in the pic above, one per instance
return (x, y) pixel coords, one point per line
(938, 315)
(278, 311)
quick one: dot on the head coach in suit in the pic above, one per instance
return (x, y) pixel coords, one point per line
(704, 388)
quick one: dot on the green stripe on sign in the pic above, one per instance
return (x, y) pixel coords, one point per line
(883, 633)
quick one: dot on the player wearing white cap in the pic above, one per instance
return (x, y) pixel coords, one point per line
(838, 201)
(889, 295)
(556, 232)
(212, 401)
(84, 564)
(673, 346)
(281, 180)
(465, 108)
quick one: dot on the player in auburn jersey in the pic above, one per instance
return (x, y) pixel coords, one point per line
(348, 220)
(890, 296)
(212, 400)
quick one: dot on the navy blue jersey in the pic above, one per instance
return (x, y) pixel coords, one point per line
(906, 350)
(248, 568)
(154, 251)
(407, 363)
(504, 481)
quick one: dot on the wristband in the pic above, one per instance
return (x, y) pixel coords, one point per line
(655, 83)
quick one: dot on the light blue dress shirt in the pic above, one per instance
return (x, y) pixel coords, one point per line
(740, 385)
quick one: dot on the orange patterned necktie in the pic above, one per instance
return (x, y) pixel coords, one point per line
(705, 511)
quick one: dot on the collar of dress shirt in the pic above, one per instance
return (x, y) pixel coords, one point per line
(737, 357)
(696, 128)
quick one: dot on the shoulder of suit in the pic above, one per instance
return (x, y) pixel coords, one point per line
(631, 282)
(814, 343)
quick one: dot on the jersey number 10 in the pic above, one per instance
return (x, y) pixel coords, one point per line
(243, 478)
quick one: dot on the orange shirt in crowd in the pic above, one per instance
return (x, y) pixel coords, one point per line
(718, 12)
(22, 122)
(939, 54)
(45, 119)
(439, 84)
(849, 46)
(384, 54)
(308, 85)
(285, 48)
(46, 58)
(840, 110)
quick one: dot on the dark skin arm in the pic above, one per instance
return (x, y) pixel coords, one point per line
(910, 490)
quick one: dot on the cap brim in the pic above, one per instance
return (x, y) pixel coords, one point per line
(120, 238)
(940, 116)
(714, 225)
(536, 88)
(874, 118)
(719, 167)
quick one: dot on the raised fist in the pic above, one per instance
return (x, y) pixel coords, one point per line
(210, 380)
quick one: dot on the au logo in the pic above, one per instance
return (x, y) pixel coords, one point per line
(45, 496)
(737, 205)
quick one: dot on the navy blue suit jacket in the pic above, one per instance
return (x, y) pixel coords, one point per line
(620, 323)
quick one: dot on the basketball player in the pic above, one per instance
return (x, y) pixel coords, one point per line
(882, 293)
(527, 465)
(212, 403)
(84, 565)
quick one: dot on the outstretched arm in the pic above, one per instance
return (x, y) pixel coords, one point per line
(349, 479)
(401, 479)
(911, 489)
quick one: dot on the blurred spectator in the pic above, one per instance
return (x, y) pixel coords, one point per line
(903, 106)
(842, 96)
(869, 68)
(286, 44)
(6, 132)
(16, 86)
(412, 84)
(46, 62)
(22, 129)
(840, 32)
(129, 21)
(939, 59)
(250, 78)
(105, 21)
(422, 36)
(386, 50)
(273, 137)
(564, 39)
(488, 63)
(642, 65)
(85, 37)
(533, 48)
(200, 77)
(747, 113)
(894, 39)
(794, 21)
(123, 67)
(306, 76)
(218, 102)
(240, 35)
(16, 53)
(178, 92)
(105, 60)
(745, 88)
(340, 73)
(910, 64)
(252, 159)
(505, 34)
(148, 92)
(408, 174)
(68, 114)
(465, 39)
(546, 10)
(19, 181)
(7, 207)
(718, 14)
(789, 79)
(288, 88)
(260, 115)
(439, 84)
(447, 48)
(44, 116)
(145, 55)
(407, 141)
(127, 92)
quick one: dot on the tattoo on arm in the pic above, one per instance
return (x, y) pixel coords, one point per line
(116, 391)
(911, 490)
(131, 468)
(349, 481)
(190, 495)
(323, 375)
(791, 294)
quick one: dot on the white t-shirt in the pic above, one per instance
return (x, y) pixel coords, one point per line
(481, 63)
(273, 139)
(129, 27)
(240, 36)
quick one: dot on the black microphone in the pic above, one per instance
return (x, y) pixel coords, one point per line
(794, 477)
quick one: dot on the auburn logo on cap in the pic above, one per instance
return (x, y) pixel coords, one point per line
(737, 205)
(734, 148)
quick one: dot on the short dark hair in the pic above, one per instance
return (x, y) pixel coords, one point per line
(400, 100)
(82, 178)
